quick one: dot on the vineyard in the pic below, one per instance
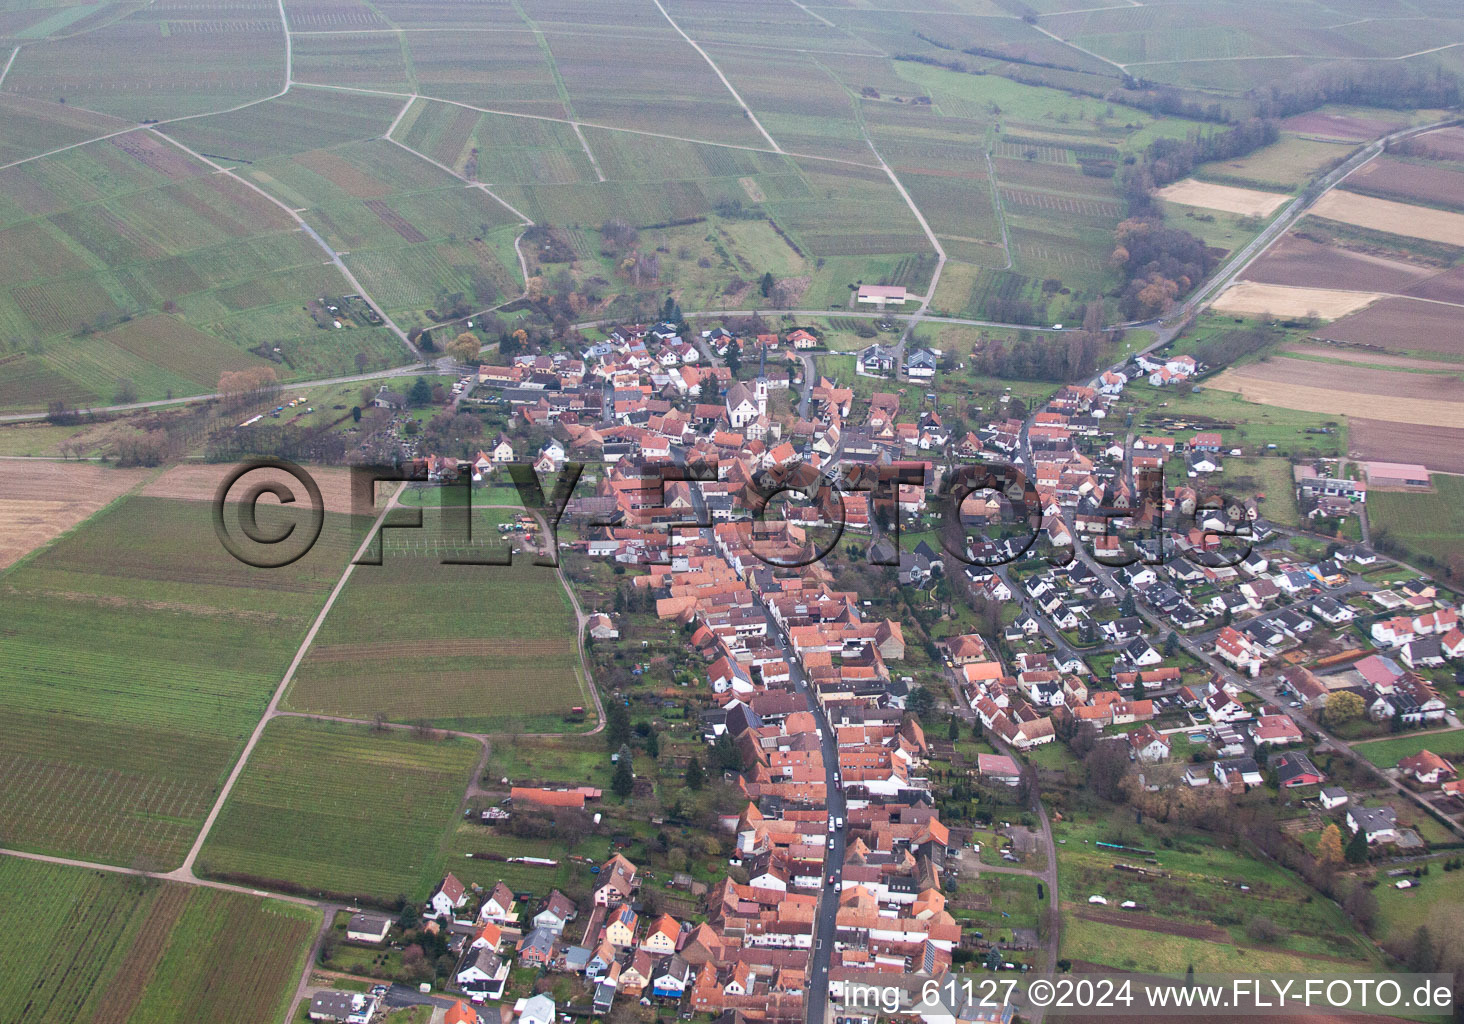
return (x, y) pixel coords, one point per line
(476, 662)
(324, 807)
(126, 950)
(114, 748)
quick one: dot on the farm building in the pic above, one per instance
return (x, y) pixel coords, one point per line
(1402, 475)
(882, 295)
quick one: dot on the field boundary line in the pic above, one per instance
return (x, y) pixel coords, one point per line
(996, 204)
(117, 869)
(185, 871)
(585, 143)
(398, 119)
(586, 124)
(713, 65)
(811, 14)
(335, 257)
(6, 70)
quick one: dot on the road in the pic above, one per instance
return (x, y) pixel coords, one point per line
(816, 997)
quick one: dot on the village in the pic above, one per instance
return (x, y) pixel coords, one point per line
(1213, 666)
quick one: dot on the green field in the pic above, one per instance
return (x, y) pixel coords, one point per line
(1422, 525)
(1387, 753)
(470, 647)
(132, 950)
(1201, 891)
(139, 655)
(325, 807)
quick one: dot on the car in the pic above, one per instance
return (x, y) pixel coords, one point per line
(838, 822)
(832, 880)
(832, 827)
(831, 842)
(1295, 704)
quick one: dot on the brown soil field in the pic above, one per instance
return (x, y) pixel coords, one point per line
(1148, 923)
(1308, 264)
(1345, 391)
(1393, 218)
(1410, 182)
(1353, 355)
(1441, 449)
(1335, 126)
(39, 501)
(1403, 325)
(1443, 144)
(195, 482)
(1288, 300)
(1445, 287)
(1245, 201)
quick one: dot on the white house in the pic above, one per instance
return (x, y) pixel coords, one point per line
(449, 896)
(537, 1009)
(1377, 824)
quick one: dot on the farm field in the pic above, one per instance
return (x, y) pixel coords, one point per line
(1254, 477)
(1401, 397)
(1198, 910)
(1286, 163)
(1255, 299)
(307, 783)
(476, 662)
(137, 951)
(1246, 201)
(1412, 181)
(1441, 449)
(1242, 423)
(1366, 357)
(39, 501)
(1445, 287)
(134, 262)
(1426, 525)
(1391, 217)
(200, 58)
(1387, 753)
(1403, 325)
(1299, 262)
(114, 749)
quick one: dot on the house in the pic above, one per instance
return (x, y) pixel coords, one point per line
(461, 1013)
(344, 1007)
(498, 906)
(450, 895)
(1146, 744)
(536, 949)
(1294, 769)
(921, 364)
(1426, 768)
(558, 911)
(502, 450)
(537, 1009)
(1377, 824)
(604, 997)
(482, 973)
(1275, 731)
(616, 881)
(601, 627)
(801, 339)
(877, 360)
(671, 980)
(389, 400)
(1221, 707)
(1238, 773)
(620, 932)
(661, 939)
(368, 928)
(1332, 797)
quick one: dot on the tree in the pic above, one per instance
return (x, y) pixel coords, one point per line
(734, 357)
(695, 777)
(653, 745)
(1342, 706)
(1357, 847)
(1107, 764)
(766, 285)
(355, 414)
(954, 732)
(465, 347)
(724, 754)
(126, 391)
(1329, 847)
(1422, 956)
(420, 393)
(622, 783)
(1171, 645)
(617, 725)
(921, 701)
(1126, 605)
